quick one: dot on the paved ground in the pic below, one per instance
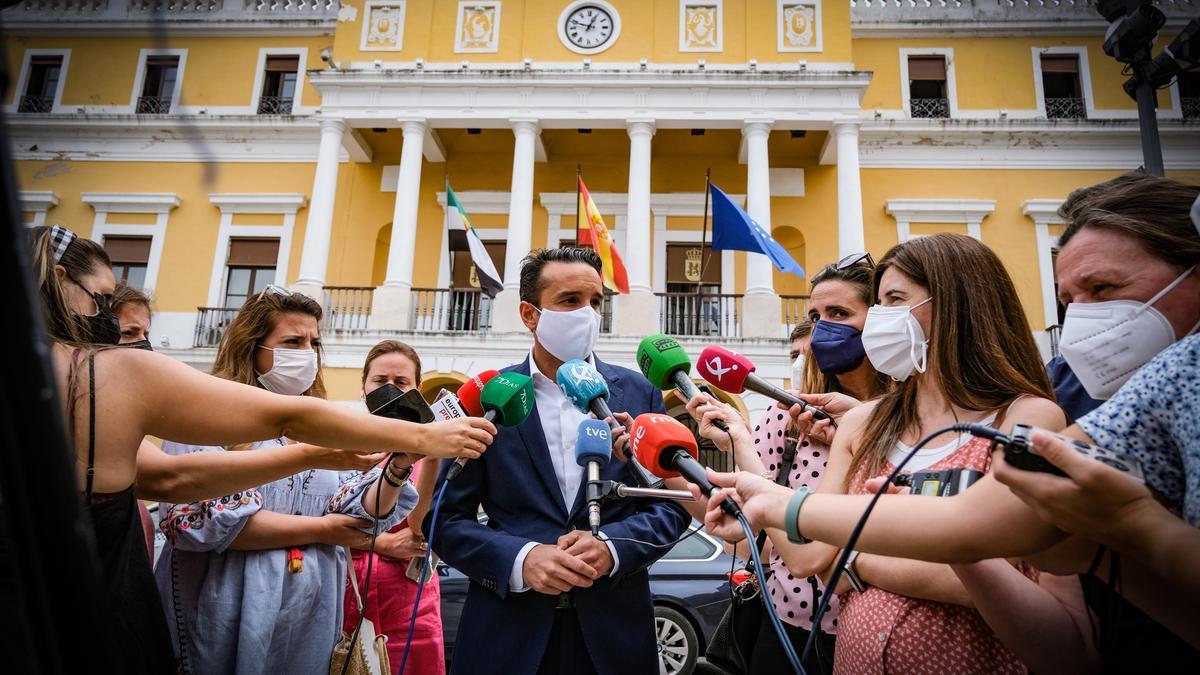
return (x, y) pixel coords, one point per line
(705, 668)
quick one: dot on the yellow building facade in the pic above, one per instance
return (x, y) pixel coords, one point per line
(222, 145)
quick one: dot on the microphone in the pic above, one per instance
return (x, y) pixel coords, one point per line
(585, 387)
(593, 448)
(506, 399)
(468, 399)
(668, 449)
(667, 365)
(734, 373)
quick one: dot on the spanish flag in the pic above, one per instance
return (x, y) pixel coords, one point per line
(593, 233)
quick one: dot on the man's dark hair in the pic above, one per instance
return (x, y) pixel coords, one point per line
(531, 268)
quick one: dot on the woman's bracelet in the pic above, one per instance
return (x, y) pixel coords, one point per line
(396, 479)
(791, 516)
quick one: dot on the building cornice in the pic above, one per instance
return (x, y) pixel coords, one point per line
(131, 202)
(1043, 210)
(992, 18)
(38, 200)
(258, 202)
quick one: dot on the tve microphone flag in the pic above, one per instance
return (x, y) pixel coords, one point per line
(734, 229)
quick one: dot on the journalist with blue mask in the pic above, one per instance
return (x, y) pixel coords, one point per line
(546, 596)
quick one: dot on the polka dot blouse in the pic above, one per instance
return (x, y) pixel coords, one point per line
(795, 600)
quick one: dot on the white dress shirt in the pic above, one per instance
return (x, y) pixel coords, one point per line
(560, 422)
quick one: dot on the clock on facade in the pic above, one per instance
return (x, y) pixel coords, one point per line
(589, 27)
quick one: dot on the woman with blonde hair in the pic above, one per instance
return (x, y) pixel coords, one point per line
(114, 398)
(256, 577)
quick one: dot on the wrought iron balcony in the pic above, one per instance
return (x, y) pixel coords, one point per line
(469, 310)
(274, 105)
(1066, 109)
(347, 307)
(700, 314)
(222, 13)
(154, 105)
(210, 325)
(1190, 107)
(929, 108)
(36, 104)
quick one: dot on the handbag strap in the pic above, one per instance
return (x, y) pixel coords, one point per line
(353, 580)
(785, 469)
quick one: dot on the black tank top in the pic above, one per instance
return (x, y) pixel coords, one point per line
(143, 643)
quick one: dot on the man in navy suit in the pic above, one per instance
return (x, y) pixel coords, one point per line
(546, 596)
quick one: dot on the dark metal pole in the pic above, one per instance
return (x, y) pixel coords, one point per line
(703, 258)
(1147, 103)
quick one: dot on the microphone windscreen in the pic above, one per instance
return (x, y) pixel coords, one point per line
(658, 356)
(594, 443)
(724, 369)
(654, 433)
(510, 395)
(469, 392)
(581, 383)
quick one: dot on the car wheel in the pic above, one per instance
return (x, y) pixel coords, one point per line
(678, 646)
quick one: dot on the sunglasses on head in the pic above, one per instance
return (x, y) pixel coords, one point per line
(275, 290)
(854, 259)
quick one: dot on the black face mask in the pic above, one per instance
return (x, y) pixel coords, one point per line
(102, 328)
(140, 344)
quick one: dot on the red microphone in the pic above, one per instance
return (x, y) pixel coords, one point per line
(668, 449)
(468, 398)
(729, 371)
(469, 392)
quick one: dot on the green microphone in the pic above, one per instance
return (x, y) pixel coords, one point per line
(667, 366)
(507, 399)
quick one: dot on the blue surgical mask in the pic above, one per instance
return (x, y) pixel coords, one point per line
(837, 347)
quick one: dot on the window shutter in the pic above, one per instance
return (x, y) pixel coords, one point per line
(927, 68)
(128, 250)
(1060, 64)
(282, 64)
(253, 252)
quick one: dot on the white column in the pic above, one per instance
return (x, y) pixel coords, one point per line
(314, 258)
(760, 306)
(392, 304)
(505, 318)
(637, 313)
(850, 215)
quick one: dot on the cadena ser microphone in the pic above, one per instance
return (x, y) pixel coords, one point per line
(668, 449)
(734, 373)
(506, 399)
(585, 387)
(593, 448)
(667, 365)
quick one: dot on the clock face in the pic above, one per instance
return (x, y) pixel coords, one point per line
(589, 27)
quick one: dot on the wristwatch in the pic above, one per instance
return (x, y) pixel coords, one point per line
(855, 582)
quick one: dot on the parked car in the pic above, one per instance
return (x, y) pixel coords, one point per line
(690, 585)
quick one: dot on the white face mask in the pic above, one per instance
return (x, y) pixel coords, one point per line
(568, 335)
(292, 373)
(1105, 343)
(894, 341)
(797, 371)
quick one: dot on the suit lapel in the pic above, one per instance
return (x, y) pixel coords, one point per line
(534, 440)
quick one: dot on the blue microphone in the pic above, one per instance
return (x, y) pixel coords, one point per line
(592, 451)
(585, 387)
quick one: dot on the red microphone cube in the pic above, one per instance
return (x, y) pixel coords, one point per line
(653, 434)
(469, 392)
(724, 369)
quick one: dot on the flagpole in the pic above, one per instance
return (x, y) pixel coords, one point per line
(703, 236)
(446, 228)
(578, 183)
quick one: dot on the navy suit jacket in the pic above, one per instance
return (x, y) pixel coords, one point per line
(503, 632)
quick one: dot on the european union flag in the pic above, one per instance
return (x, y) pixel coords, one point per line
(734, 229)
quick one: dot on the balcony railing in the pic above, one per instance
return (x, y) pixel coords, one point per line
(1191, 107)
(275, 105)
(154, 105)
(929, 108)
(210, 325)
(36, 104)
(795, 310)
(447, 309)
(348, 307)
(692, 314)
(224, 11)
(1065, 109)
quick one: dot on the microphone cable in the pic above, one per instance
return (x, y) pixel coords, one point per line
(974, 429)
(412, 621)
(770, 606)
(366, 587)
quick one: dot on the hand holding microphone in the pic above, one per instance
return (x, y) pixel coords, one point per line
(463, 438)
(707, 411)
(762, 502)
